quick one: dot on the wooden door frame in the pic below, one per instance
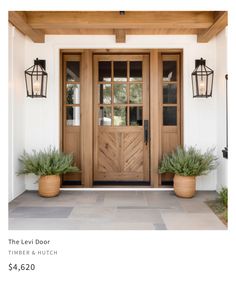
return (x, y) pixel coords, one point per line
(87, 116)
(135, 178)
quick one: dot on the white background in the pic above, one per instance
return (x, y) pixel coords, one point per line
(124, 255)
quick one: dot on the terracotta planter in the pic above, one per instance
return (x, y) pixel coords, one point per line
(49, 186)
(185, 186)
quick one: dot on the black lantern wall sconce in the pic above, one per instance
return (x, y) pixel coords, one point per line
(36, 79)
(202, 80)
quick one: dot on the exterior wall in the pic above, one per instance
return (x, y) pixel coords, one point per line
(16, 110)
(221, 66)
(35, 123)
(200, 115)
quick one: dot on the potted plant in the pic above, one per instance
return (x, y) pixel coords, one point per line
(48, 164)
(186, 164)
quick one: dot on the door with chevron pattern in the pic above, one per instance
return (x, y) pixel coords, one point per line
(121, 118)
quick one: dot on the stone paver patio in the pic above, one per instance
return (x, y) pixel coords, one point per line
(113, 210)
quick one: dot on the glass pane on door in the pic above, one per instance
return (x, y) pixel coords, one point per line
(72, 71)
(120, 93)
(104, 71)
(105, 117)
(169, 70)
(105, 94)
(136, 116)
(73, 116)
(120, 116)
(73, 94)
(136, 71)
(120, 71)
(169, 94)
(135, 95)
(169, 115)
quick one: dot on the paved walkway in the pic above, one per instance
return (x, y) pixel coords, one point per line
(113, 210)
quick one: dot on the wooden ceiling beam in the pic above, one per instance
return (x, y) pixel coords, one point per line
(91, 31)
(120, 35)
(19, 20)
(221, 21)
(113, 20)
(35, 24)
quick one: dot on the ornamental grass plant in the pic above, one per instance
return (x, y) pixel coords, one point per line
(188, 162)
(223, 196)
(45, 162)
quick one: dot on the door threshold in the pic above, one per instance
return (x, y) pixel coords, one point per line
(118, 189)
(121, 183)
(131, 187)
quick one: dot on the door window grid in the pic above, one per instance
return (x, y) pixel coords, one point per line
(124, 103)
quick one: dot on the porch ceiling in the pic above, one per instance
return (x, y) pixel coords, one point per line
(36, 24)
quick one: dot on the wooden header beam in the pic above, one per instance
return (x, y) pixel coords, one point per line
(219, 24)
(35, 24)
(19, 20)
(107, 31)
(97, 20)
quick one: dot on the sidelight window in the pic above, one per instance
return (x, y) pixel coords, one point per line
(72, 90)
(170, 88)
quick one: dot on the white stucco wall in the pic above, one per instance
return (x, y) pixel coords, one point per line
(16, 110)
(221, 64)
(200, 115)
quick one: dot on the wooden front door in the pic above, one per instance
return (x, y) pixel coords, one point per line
(121, 118)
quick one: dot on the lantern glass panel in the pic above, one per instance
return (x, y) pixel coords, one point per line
(45, 81)
(37, 84)
(29, 84)
(209, 84)
(194, 83)
(202, 84)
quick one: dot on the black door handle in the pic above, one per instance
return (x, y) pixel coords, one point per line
(146, 130)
